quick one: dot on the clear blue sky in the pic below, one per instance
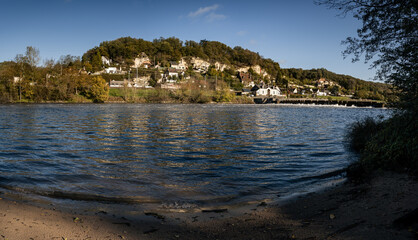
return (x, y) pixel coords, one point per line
(295, 33)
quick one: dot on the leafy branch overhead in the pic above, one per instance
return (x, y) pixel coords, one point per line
(387, 39)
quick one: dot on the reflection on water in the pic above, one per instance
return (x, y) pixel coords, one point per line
(199, 154)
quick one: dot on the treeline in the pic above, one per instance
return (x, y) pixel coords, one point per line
(350, 85)
(163, 50)
(68, 79)
(23, 80)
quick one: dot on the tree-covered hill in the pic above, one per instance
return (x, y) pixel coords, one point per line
(350, 85)
(122, 51)
(164, 50)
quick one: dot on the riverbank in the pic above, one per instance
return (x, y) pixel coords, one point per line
(238, 100)
(381, 209)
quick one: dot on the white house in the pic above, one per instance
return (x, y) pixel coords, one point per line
(171, 72)
(17, 79)
(111, 70)
(181, 65)
(264, 90)
(319, 93)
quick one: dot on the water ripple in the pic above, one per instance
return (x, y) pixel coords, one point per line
(191, 154)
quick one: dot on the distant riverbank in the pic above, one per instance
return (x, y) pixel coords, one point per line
(156, 97)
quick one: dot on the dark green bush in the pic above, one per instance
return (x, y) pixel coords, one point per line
(390, 144)
(361, 132)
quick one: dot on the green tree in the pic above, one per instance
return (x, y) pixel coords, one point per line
(8, 91)
(32, 56)
(154, 78)
(99, 89)
(96, 62)
(26, 67)
(94, 88)
(335, 90)
(388, 38)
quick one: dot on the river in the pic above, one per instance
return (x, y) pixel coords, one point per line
(168, 155)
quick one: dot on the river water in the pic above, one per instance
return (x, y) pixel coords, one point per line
(172, 155)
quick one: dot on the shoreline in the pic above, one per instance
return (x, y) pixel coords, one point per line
(381, 209)
(287, 103)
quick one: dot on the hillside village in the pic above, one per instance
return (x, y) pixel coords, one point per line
(171, 63)
(178, 74)
(170, 70)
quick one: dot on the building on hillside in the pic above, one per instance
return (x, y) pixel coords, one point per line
(146, 64)
(17, 79)
(266, 91)
(246, 79)
(220, 66)
(323, 83)
(200, 64)
(321, 93)
(171, 74)
(140, 60)
(112, 70)
(246, 92)
(106, 61)
(243, 69)
(181, 65)
(256, 69)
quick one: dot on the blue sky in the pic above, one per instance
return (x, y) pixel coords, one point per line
(295, 33)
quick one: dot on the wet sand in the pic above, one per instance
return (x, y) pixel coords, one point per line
(384, 208)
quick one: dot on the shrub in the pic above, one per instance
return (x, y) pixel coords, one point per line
(391, 144)
(361, 132)
(94, 88)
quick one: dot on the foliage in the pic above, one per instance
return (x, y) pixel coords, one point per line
(349, 84)
(24, 81)
(157, 96)
(154, 78)
(94, 88)
(388, 38)
(164, 50)
(65, 78)
(172, 49)
(391, 144)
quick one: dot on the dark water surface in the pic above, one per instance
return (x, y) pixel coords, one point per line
(169, 154)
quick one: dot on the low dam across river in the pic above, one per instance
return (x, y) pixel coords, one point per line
(348, 103)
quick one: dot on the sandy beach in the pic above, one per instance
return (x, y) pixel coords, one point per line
(384, 208)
